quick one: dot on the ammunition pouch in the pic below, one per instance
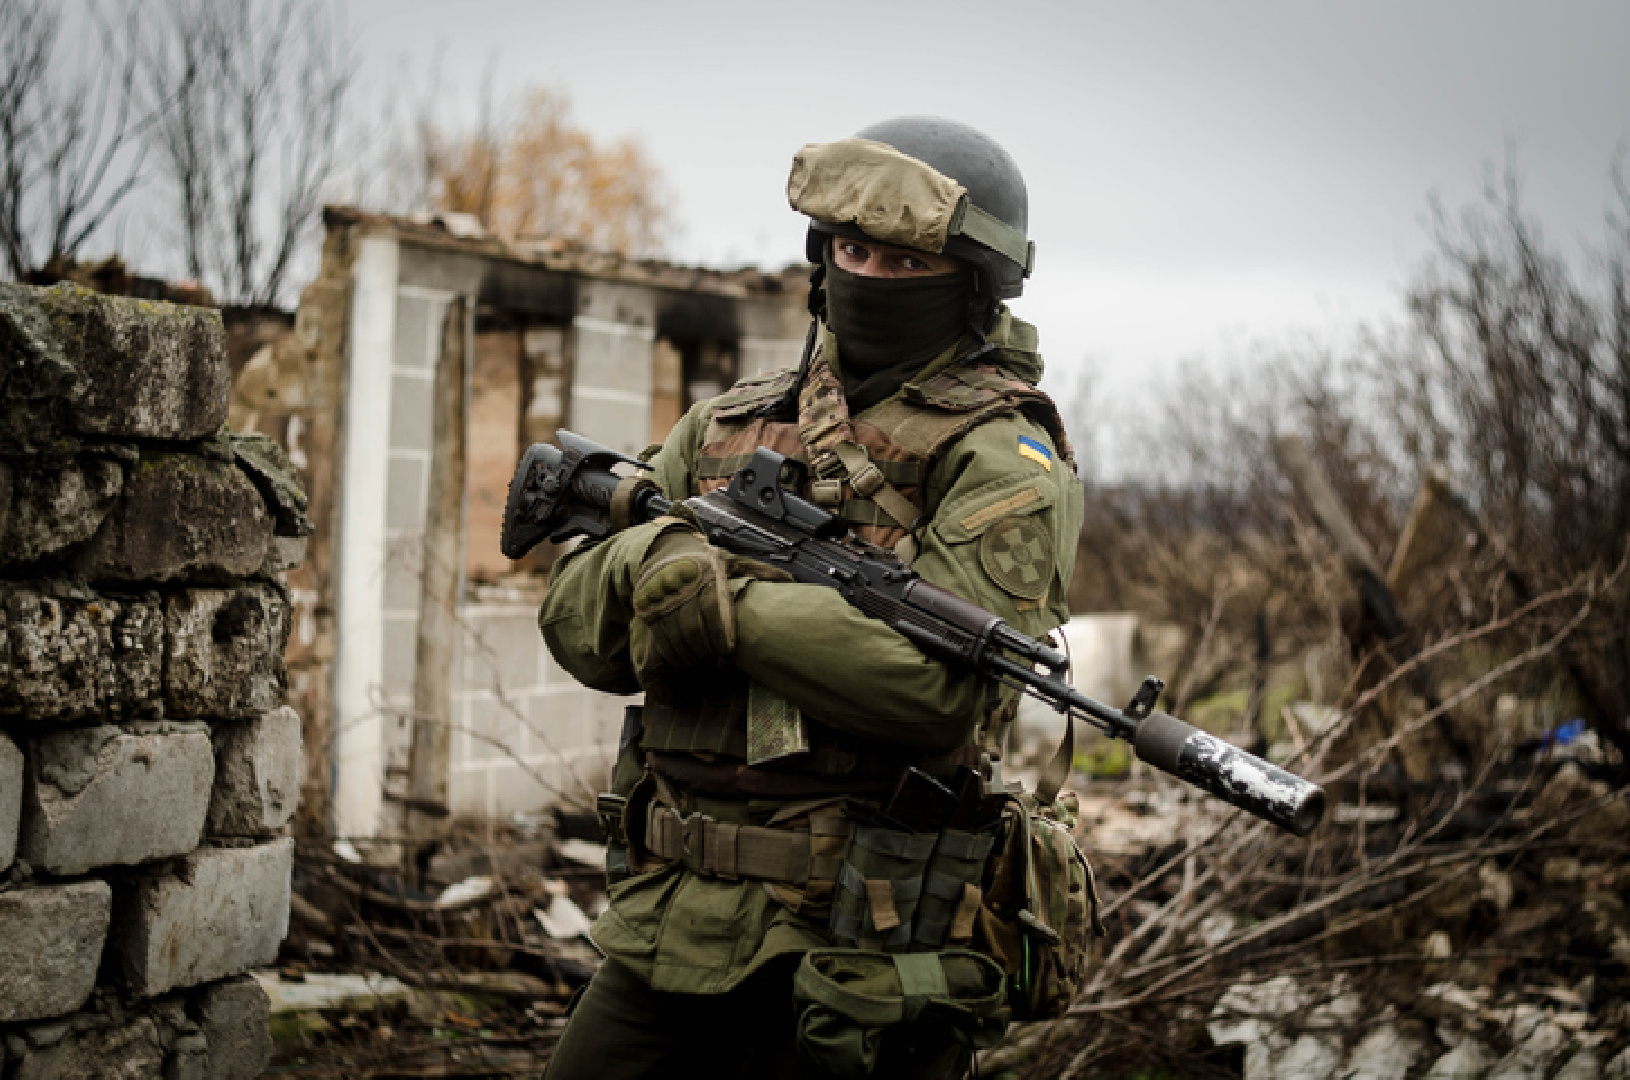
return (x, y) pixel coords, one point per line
(903, 891)
(879, 887)
(952, 889)
(612, 806)
(864, 1013)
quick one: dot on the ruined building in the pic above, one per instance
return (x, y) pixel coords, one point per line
(422, 360)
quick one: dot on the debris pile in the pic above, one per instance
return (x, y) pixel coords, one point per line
(1473, 932)
(1462, 911)
(147, 765)
(463, 965)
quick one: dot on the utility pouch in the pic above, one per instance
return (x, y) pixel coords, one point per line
(863, 1013)
(609, 808)
(1040, 908)
(879, 885)
(952, 894)
(635, 810)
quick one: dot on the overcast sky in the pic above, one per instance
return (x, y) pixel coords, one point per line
(1202, 175)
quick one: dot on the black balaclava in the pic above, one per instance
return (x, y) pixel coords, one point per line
(885, 324)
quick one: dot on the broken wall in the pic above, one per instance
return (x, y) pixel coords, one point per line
(148, 765)
(288, 386)
(414, 657)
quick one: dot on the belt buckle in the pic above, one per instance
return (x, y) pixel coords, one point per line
(692, 843)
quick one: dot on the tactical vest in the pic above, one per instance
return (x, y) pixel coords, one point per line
(871, 472)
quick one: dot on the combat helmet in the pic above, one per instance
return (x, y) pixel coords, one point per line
(985, 227)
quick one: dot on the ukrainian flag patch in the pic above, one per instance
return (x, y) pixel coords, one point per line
(1036, 451)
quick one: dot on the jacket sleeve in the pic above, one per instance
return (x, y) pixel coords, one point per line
(850, 671)
(587, 608)
(1006, 521)
(1003, 535)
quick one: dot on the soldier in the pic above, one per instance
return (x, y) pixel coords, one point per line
(916, 408)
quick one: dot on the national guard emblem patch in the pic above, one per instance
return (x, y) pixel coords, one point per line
(1017, 553)
(1036, 451)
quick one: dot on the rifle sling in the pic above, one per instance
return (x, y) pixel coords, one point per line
(1058, 769)
(869, 483)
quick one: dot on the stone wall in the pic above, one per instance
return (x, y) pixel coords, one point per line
(148, 766)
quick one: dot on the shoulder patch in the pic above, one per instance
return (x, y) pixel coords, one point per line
(1036, 451)
(1017, 553)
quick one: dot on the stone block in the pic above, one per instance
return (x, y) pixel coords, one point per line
(283, 553)
(65, 653)
(226, 911)
(11, 798)
(138, 369)
(225, 652)
(181, 516)
(46, 506)
(189, 1059)
(101, 1052)
(106, 797)
(268, 464)
(258, 766)
(235, 1015)
(50, 946)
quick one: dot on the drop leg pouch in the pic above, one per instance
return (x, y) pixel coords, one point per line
(864, 1014)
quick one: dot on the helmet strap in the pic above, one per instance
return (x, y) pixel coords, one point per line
(982, 305)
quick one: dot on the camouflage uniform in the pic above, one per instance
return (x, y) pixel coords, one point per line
(980, 451)
(771, 707)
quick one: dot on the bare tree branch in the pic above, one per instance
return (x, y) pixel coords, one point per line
(71, 147)
(260, 91)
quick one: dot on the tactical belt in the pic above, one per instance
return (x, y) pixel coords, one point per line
(720, 849)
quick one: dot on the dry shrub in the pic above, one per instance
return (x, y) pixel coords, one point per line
(1513, 369)
(1519, 869)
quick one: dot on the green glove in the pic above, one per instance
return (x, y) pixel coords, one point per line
(684, 614)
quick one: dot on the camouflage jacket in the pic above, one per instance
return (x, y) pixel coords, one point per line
(683, 932)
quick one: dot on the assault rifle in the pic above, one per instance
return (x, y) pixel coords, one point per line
(574, 490)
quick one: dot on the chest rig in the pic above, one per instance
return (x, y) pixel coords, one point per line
(871, 472)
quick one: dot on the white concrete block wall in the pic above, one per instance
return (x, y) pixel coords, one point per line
(525, 732)
(772, 335)
(392, 367)
(767, 354)
(550, 728)
(613, 337)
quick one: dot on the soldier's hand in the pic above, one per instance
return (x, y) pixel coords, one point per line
(684, 615)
